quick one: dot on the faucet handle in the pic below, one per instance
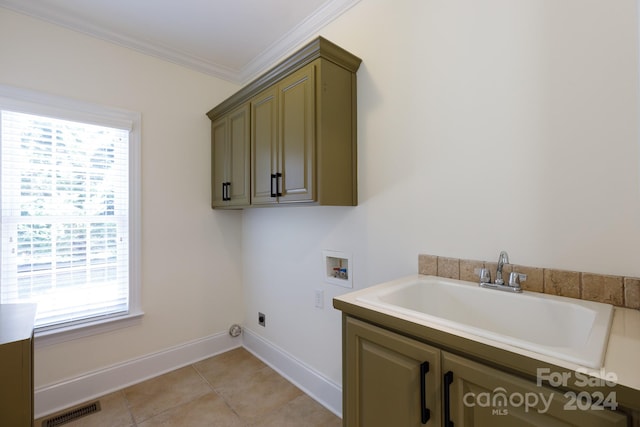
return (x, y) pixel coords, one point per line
(485, 275)
(515, 278)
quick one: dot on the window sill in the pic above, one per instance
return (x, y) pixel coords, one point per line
(60, 335)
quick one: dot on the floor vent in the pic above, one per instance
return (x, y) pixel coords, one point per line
(72, 415)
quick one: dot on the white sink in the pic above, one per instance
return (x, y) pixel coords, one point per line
(569, 329)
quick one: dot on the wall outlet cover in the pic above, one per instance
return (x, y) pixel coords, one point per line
(319, 298)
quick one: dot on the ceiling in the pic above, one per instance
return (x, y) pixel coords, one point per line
(235, 40)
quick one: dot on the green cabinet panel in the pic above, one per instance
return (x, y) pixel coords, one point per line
(297, 138)
(384, 378)
(264, 146)
(230, 136)
(16, 364)
(483, 396)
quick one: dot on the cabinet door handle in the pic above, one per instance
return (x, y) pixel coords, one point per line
(425, 413)
(278, 181)
(448, 379)
(224, 191)
(273, 187)
(228, 192)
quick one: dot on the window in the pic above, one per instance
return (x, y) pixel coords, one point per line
(69, 209)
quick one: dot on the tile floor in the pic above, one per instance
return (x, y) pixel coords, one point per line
(231, 389)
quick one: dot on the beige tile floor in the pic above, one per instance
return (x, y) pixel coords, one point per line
(231, 389)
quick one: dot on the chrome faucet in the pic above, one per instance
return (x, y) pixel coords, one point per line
(514, 277)
(502, 260)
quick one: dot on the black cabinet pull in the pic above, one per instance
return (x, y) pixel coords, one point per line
(448, 379)
(278, 181)
(425, 413)
(273, 187)
(225, 191)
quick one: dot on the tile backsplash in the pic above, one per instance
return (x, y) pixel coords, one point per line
(616, 290)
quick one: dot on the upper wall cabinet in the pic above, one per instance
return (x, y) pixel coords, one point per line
(302, 134)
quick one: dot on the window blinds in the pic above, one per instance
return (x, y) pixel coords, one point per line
(65, 216)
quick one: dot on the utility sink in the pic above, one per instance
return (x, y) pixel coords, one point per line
(565, 328)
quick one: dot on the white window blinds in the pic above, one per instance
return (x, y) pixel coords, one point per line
(65, 217)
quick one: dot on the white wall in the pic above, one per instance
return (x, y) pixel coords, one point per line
(483, 125)
(191, 270)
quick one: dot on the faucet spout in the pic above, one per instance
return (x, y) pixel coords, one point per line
(502, 260)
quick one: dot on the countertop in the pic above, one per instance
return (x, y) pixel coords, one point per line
(620, 363)
(16, 322)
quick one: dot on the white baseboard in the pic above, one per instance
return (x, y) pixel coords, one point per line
(322, 389)
(62, 395)
(56, 397)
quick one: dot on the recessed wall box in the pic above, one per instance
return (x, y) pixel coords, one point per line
(338, 268)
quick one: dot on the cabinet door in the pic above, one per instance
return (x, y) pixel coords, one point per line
(389, 379)
(484, 397)
(230, 159)
(218, 161)
(297, 135)
(264, 134)
(238, 157)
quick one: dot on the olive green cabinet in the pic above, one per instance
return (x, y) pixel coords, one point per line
(230, 159)
(302, 134)
(16, 364)
(393, 380)
(264, 147)
(302, 144)
(283, 135)
(478, 395)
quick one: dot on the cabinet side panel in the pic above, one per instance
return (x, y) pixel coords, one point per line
(15, 380)
(336, 147)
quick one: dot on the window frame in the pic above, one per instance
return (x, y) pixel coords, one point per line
(32, 102)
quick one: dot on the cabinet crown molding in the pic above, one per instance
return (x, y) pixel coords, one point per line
(317, 48)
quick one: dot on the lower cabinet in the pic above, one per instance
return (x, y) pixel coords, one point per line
(393, 380)
(16, 364)
(477, 395)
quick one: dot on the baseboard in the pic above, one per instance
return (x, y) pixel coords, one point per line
(56, 397)
(59, 396)
(323, 390)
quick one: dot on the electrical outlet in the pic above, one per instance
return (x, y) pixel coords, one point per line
(319, 300)
(262, 319)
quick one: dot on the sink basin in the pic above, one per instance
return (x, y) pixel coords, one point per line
(569, 329)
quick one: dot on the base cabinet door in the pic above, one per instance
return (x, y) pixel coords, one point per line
(480, 396)
(390, 380)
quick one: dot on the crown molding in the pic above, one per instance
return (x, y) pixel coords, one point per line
(294, 38)
(325, 14)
